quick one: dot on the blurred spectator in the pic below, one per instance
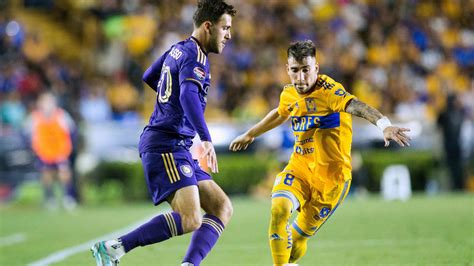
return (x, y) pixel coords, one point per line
(35, 49)
(123, 99)
(12, 111)
(94, 106)
(46, 4)
(50, 128)
(450, 121)
(412, 109)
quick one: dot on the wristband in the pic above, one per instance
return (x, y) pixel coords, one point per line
(383, 123)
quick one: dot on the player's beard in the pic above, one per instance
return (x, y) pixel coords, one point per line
(301, 90)
(307, 89)
(213, 42)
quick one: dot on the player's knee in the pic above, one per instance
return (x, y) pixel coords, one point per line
(226, 211)
(191, 222)
(280, 211)
(222, 209)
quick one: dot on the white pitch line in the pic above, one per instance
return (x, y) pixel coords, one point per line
(67, 252)
(12, 239)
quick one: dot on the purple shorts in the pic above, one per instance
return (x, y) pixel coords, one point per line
(167, 172)
(52, 166)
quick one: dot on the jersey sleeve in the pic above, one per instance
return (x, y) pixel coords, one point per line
(191, 70)
(153, 73)
(190, 102)
(284, 107)
(338, 98)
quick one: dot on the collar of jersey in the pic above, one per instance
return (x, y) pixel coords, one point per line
(198, 44)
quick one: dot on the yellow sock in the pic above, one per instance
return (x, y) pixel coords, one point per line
(300, 245)
(279, 232)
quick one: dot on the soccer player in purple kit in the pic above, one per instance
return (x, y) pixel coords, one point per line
(181, 78)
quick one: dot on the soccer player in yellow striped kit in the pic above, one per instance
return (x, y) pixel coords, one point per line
(318, 175)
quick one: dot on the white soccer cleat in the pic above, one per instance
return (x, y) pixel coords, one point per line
(69, 203)
(104, 256)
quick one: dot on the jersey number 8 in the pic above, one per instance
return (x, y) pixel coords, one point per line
(289, 180)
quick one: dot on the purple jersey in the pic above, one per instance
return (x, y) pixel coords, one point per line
(181, 73)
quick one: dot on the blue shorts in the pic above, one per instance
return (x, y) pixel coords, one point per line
(167, 172)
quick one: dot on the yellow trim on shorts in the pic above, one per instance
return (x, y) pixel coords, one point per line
(170, 167)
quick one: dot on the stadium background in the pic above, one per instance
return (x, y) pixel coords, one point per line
(402, 57)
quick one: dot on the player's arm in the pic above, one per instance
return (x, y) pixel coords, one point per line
(189, 97)
(270, 121)
(153, 73)
(390, 132)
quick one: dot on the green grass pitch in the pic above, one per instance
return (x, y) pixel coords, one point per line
(423, 231)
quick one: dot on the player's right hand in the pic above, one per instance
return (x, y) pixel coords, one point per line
(210, 154)
(241, 142)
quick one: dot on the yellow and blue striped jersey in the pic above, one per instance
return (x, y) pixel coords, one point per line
(322, 129)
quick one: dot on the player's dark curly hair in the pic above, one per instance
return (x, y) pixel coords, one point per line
(211, 10)
(301, 49)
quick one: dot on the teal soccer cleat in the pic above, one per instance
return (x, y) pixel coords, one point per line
(102, 256)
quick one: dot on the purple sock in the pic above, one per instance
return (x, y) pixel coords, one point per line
(69, 190)
(158, 229)
(204, 239)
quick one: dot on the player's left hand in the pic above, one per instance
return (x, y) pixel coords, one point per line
(397, 134)
(210, 153)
